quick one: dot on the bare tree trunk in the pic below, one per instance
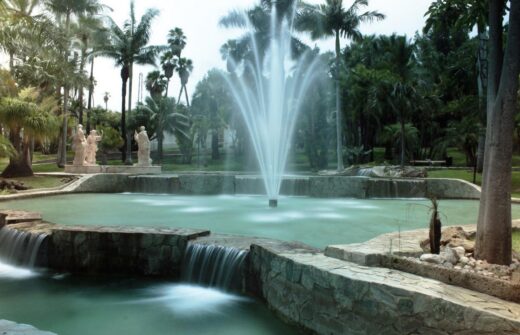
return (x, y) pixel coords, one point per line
(124, 79)
(403, 143)
(128, 160)
(186, 95)
(493, 241)
(90, 93)
(339, 112)
(482, 88)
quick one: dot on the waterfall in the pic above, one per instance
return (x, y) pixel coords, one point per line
(214, 265)
(18, 247)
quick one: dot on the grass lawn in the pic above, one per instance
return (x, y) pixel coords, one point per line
(43, 181)
(468, 176)
(516, 241)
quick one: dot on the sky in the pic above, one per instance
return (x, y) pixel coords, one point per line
(199, 21)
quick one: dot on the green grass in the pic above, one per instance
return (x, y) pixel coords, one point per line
(37, 182)
(468, 176)
(516, 240)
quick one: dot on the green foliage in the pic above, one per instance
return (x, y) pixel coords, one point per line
(111, 139)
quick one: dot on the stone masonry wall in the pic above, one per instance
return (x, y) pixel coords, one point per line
(329, 296)
(110, 250)
(315, 186)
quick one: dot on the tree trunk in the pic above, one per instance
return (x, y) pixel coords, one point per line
(186, 95)
(90, 93)
(124, 79)
(160, 140)
(128, 160)
(482, 61)
(19, 166)
(180, 95)
(80, 88)
(215, 154)
(403, 143)
(62, 153)
(493, 241)
(339, 135)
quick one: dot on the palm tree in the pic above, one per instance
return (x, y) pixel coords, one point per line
(333, 20)
(128, 46)
(397, 91)
(25, 120)
(184, 69)
(105, 99)
(169, 65)
(176, 41)
(87, 32)
(155, 83)
(66, 9)
(164, 119)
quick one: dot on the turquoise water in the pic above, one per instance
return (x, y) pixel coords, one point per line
(121, 306)
(317, 222)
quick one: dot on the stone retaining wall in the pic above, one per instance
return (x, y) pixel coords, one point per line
(112, 250)
(320, 294)
(330, 296)
(314, 186)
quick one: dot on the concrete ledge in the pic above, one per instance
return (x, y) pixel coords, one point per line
(130, 169)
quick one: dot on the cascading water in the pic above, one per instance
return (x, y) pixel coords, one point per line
(269, 94)
(214, 265)
(18, 247)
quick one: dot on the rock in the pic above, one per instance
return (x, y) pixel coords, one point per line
(450, 256)
(464, 260)
(515, 277)
(461, 252)
(431, 258)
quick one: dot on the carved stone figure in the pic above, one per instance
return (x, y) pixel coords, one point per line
(92, 147)
(143, 142)
(79, 145)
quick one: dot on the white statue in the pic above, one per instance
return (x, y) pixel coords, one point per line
(92, 147)
(143, 142)
(79, 144)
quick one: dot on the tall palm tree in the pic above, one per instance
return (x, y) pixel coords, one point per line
(184, 69)
(67, 9)
(128, 45)
(164, 118)
(398, 90)
(155, 83)
(169, 65)
(34, 116)
(87, 31)
(176, 41)
(331, 19)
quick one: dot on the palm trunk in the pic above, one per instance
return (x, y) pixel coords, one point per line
(19, 166)
(80, 88)
(90, 94)
(339, 135)
(180, 94)
(186, 95)
(482, 87)
(124, 79)
(403, 143)
(160, 140)
(128, 160)
(493, 241)
(62, 157)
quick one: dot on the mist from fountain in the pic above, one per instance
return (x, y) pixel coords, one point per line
(269, 93)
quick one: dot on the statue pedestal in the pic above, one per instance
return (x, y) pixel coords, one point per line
(91, 169)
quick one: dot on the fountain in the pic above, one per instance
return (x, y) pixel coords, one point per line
(18, 247)
(214, 265)
(271, 97)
